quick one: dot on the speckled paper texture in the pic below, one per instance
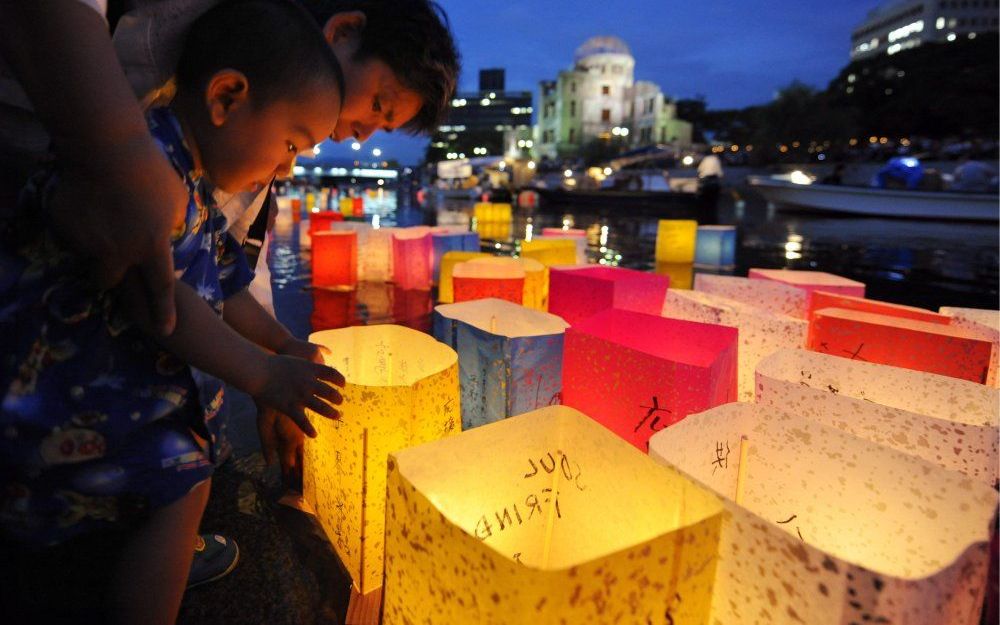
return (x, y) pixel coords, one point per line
(949, 422)
(831, 529)
(810, 281)
(822, 299)
(402, 390)
(412, 257)
(578, 293)
(545, 519)
(493, 277)
(984, 324)
(768, 295)
(637, 374)
(760, 333)
(374, 250)
(446, 285)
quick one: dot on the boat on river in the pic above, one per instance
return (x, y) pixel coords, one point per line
(789, 191)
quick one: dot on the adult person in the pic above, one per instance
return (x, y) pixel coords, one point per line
(709, 183)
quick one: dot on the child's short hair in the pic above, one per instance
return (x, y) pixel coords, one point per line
(413, 38)
(275, 43)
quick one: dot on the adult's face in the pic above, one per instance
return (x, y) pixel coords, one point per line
(375, 98)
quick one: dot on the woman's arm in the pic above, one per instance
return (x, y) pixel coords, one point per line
(121, 197)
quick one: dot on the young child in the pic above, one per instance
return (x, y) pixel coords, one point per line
(105, 434)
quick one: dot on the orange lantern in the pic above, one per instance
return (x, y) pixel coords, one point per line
(481, 278)
(335, 259)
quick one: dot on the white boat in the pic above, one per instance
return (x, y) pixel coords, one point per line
(800, 191)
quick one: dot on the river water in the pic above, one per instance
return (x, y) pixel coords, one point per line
(919, 263)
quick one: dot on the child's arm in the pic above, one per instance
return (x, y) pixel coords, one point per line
(285, 383)
(245, 315)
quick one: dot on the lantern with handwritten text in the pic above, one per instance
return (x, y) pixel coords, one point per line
(479, 278)
(638, 373)
(509, 357)
(760, 332)
(335, 259)
(401, 390)
(827, 528)
(550, 252)
(444, 241)
(412, 257)
(983, 324)
(545, 518)
(768, 295)
(675, 240)
(374, 250)
(575, 294)
(949, 422)
(715, 246)
(918, 345)
(446, 284)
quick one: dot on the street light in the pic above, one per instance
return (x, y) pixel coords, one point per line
(355, 146)
(376, 152)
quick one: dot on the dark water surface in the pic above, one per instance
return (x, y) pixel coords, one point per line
(919, 263)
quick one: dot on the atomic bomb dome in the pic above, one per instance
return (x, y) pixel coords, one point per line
(601, 45)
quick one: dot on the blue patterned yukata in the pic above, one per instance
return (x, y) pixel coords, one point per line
(96, 419)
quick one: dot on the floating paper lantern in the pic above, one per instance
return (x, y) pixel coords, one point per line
(444, 242)
(446, 288)
(547, 519)
(675, 240)
(401, 390)
(550, 252)
(760, 332)
(899, 342)
(321, 221)
(493, 220)
(767, 295)
(347, 206)
(637, 373)
(565, 232)
(949, 422)
(335, 258)
(411, 257)
(827, 528)
(681, 275)
(715, 246)
(810, 281)
(509, 357)
(984, 324)
(822, 299)
(579, 245)
(358, 206)
(480, 278)
(575, 294)
(536, 284)
(374, 250)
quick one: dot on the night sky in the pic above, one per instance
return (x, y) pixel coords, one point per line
(733, 53)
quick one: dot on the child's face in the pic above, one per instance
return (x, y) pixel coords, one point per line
(256, 143)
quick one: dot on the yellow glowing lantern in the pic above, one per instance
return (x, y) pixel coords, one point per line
(675, 240)
(536, 284)
(950, 422)
(446, 285)
(545, 518)
(983, 324)
(402, 390)
(579, 243)
(760, 333)
(769, 295)
(827, 528)
(550, 252)
(493, 220)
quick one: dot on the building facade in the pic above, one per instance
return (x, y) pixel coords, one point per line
(903, 24)
(480, 123)
(599, 99)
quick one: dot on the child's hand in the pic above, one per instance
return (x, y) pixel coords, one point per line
(294, 384)
(303, 349)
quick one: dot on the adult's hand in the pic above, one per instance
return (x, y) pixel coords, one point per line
(281, 441)
(119, 212)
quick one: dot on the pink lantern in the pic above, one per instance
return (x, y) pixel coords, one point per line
(335, 258)
(412, 257)
(823, 299)
(637, 373)
(575, 294)
(481, 278)
(320, 222)
(906, 343)
(564, 232)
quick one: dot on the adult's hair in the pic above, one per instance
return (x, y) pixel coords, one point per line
(413, 38)
(276, 44)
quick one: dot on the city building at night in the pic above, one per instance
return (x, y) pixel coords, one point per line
(484, 122)
(902, 24)
(599, 98)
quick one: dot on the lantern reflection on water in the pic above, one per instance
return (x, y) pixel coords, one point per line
(949, 422)
(401, 390)
(545, 518)
(637, 374)
(509, 357)
(827, 528)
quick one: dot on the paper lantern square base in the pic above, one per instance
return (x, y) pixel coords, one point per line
(533, 520)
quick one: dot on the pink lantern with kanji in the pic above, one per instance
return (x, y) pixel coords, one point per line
(412, 257)
(637, 373)
(575, 294)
